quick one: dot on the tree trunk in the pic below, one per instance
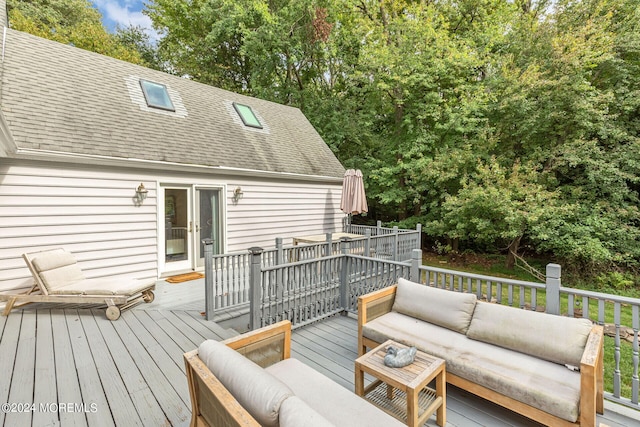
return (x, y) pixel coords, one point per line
(513, 250)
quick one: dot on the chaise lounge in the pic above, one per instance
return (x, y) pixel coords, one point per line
(59, 279)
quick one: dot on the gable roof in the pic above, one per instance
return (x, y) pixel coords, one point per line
(58, 99)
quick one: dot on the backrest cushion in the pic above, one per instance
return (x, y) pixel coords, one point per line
(294, 412)
(449, 309)
(57, 268)
(259, 392)
(546, 336)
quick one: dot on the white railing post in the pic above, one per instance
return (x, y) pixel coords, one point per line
(395, 242)
(279, 251)
(416, 262)
(255, 281)
(329, 247)
(419, 230)
(367, 243)
(208, 278)
(344, 273)
(554, 273)
(378, 228)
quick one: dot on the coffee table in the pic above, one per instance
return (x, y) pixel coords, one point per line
(403, 392)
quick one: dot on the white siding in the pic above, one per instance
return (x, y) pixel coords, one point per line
(91, 213)
(86, 211)
(287, 209)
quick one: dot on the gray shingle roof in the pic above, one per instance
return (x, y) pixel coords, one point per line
(56, 97)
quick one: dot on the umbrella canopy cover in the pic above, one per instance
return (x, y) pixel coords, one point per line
(353, 200)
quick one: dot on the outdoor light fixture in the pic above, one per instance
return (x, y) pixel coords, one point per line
(141, 193)
(237, 194)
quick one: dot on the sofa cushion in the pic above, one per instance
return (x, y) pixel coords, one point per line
(295, 413)
(451, 310)
(555, 338)
(260, 393)
(542, 384)
(338, 405)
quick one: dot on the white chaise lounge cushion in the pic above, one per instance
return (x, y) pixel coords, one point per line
(104, 286)
(451, 310)
(295, 413)
(558, 339)
(259, 392)
(57, 268)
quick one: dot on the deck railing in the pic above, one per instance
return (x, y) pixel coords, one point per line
(227, 275)
(309, 290)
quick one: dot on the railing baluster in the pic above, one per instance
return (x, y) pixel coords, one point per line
(616, 372)
(635, 382)
(534, 299)
(570, 304)
(585, 307)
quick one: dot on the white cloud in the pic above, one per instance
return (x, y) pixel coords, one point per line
(125, 13)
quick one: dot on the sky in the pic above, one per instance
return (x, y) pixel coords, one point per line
(123, 13)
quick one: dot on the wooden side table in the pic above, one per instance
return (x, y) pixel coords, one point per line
(403, 392)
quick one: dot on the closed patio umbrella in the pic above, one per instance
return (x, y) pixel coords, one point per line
(354, 200)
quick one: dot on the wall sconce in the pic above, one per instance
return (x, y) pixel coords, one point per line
(237, 194)
(141, 193)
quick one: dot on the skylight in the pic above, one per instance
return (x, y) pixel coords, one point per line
(248, 117)
(156, 95)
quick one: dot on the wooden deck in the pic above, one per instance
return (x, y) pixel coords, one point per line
(73, 367)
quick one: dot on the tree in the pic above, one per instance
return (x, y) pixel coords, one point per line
(74, 22)
(135, 38)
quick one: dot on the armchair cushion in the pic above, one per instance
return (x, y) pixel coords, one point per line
(259, 392)
(295, 413)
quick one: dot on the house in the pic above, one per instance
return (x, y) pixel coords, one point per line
(130, 168)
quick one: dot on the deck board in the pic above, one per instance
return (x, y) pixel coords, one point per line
(137, 390)
(23, 378)
(8, 347)
(67, 383)
(112, 382)
(93, 395)
(45, 389)
(164, 352)
(177, 413)
(132, 369)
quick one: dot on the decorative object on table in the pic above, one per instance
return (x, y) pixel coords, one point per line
(399, 357)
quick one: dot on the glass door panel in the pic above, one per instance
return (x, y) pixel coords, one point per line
(177, 228)
(208, 225)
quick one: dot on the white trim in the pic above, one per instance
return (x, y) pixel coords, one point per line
(47, 155)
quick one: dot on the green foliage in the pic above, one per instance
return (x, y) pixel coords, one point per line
(496, 124)
(490, 122)
(135, 38)
(74, 22)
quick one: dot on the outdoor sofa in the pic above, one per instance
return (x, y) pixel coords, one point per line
(251, 380)
(59, 279)
(546, 367)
